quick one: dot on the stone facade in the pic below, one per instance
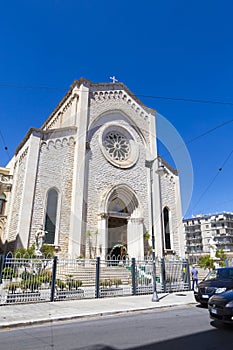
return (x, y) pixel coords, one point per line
(5, 193)
(88, 159)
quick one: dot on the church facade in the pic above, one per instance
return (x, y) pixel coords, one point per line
(92, 178)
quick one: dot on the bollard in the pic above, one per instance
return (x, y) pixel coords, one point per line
(53, 278)
(97, 278)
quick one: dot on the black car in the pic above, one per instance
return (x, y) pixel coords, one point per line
(221, 307)
(216, 282)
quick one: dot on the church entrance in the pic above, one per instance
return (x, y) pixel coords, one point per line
(121, 225)
(117, 236)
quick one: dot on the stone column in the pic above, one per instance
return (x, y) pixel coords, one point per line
(135, 244)
(27, 191)
(102, 233)
(77, 222)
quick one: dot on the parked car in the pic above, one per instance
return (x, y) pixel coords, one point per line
(216, 282)
(221, 307)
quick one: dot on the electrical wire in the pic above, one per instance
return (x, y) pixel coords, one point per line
(209, 131)
(181, 99)
(213, 180)
(4, 145)
(198, 137)
(11, 86)
(144, 96)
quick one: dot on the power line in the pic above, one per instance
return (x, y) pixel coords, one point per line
(181, 99)
(4, 145)
(214, 178)
(12, 86)
(209, 131)
(145, 96)
(199, 136)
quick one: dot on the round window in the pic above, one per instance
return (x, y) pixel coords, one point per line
(118, 146)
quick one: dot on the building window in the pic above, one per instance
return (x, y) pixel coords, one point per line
(166, 228)
(2, 203)
(117, 146)
(51, 216)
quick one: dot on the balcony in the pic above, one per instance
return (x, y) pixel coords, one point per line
(5, 182)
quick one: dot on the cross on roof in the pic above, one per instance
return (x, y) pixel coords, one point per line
(114, 80)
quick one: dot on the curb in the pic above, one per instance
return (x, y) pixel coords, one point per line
(93, 315)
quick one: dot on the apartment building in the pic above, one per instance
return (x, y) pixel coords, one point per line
(201, 229)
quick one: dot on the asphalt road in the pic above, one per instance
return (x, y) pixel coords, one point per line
(184, 328)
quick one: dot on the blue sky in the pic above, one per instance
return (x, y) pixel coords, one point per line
(156, 48)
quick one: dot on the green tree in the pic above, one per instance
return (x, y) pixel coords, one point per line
(206, 262)
(222, 256)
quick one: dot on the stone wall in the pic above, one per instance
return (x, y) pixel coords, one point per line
(55, 170)
(103, 176)
(171, 200)
(16, 195)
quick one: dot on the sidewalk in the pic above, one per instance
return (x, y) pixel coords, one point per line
(38, 313)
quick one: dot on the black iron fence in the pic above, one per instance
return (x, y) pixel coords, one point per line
(27, 280)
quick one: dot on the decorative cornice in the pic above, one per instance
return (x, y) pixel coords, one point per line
(120, 87)
(57, 143)
(99, 96)
(23, 155)
(42, 133)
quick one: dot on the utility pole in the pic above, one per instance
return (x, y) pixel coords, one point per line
(149, 164)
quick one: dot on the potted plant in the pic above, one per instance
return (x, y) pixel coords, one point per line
(61, 285)
(9, 273)
(110, 287)
(13, 286)
(46, 277)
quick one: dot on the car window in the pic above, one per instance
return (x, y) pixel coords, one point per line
(223, 274)
(211, 275)
(220, 274)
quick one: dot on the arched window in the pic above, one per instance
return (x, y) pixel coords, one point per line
(166, 228)
(118, 206)
(2, 203)
(51, 216)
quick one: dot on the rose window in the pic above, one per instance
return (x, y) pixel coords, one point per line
(117, 146)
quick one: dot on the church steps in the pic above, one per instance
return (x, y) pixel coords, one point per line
(88, 274)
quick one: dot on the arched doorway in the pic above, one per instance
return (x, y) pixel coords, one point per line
(117, 225)
(124, 222)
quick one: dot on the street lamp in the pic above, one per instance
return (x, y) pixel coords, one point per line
(149, 164)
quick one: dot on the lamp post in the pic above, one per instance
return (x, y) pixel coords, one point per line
(149, 164)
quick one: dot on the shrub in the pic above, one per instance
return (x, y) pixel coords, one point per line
(61, 284)
(9, 273)
(33, 283)
(13, 286)
(25, 275)
(47, 251)
(106, 283)
(110, 282)
(25, 253)
(117, 281)
(71, 284)
(46, 276)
